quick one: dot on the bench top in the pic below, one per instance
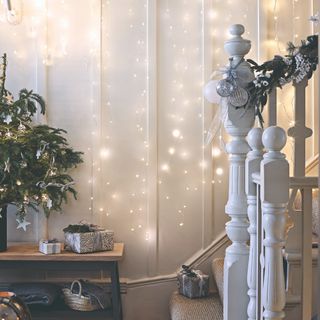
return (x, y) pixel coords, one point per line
(30, 252)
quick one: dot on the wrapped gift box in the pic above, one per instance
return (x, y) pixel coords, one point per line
(193, 283)
(85, 242)
(50, 246)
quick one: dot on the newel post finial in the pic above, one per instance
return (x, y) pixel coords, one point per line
(237, 47)
(274, 139)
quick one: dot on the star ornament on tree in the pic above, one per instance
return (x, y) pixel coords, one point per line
(315, 18)
(22, 224)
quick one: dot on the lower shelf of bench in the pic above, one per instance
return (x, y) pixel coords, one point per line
(64, 313)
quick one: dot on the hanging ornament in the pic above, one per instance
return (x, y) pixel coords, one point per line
(23, 164)
(52, 172)
(22, 224)
(225, 88)
(21, 127)
(26, 200)
(8, 119)
(8, 134)
(239, 97)
(236, 77)
(210, 92)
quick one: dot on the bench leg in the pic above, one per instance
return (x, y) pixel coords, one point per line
(115, 289)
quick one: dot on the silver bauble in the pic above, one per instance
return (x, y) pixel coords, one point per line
(239, 97)
(224, 88)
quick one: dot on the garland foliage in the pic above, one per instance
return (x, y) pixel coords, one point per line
(34, 159)
(299, 63)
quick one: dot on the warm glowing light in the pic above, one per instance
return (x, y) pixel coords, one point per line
(172, 150)
(212, 14)
(216, 152)
(219, 171)
(176, 133)
(165, 167)
(104, 153)
(203, 164)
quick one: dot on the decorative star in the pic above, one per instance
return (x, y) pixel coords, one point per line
(22, 224)
(315, 18)
(7, 119)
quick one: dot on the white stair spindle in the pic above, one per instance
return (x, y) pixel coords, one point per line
(253, 161)
(274, 197)
(237, 125)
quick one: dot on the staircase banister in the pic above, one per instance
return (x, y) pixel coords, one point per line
(299, 182)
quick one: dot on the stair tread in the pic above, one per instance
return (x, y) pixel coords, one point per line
(183, 308)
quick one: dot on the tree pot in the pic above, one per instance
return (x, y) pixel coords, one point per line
(3, 228)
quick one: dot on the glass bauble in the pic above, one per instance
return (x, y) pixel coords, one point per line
(225, 88)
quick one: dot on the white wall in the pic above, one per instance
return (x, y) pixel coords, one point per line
(125, 78)
(121, 76)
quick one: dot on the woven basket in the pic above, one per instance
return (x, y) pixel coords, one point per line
(79, 302)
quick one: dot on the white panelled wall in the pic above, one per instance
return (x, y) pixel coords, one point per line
(125, 79)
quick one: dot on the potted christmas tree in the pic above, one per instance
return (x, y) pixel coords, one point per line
(34, 159)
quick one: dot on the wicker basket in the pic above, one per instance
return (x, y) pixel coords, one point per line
(79, 302)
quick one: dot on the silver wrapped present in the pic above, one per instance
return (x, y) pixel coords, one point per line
(50, 246)
(193, 283)
(85, 242)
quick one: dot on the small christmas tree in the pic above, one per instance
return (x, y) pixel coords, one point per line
(34, 159)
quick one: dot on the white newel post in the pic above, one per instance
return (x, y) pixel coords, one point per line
(253, 161)
(238, 124)
(274, 198)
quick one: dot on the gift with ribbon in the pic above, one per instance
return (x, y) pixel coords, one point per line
(193, 283)
(50, 246)
(86, 238)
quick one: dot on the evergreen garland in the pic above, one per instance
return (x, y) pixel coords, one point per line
(34, 159)
(299, 63)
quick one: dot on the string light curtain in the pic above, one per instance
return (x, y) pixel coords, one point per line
(125, 79)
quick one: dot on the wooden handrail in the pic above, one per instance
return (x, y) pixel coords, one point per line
(294, 182)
